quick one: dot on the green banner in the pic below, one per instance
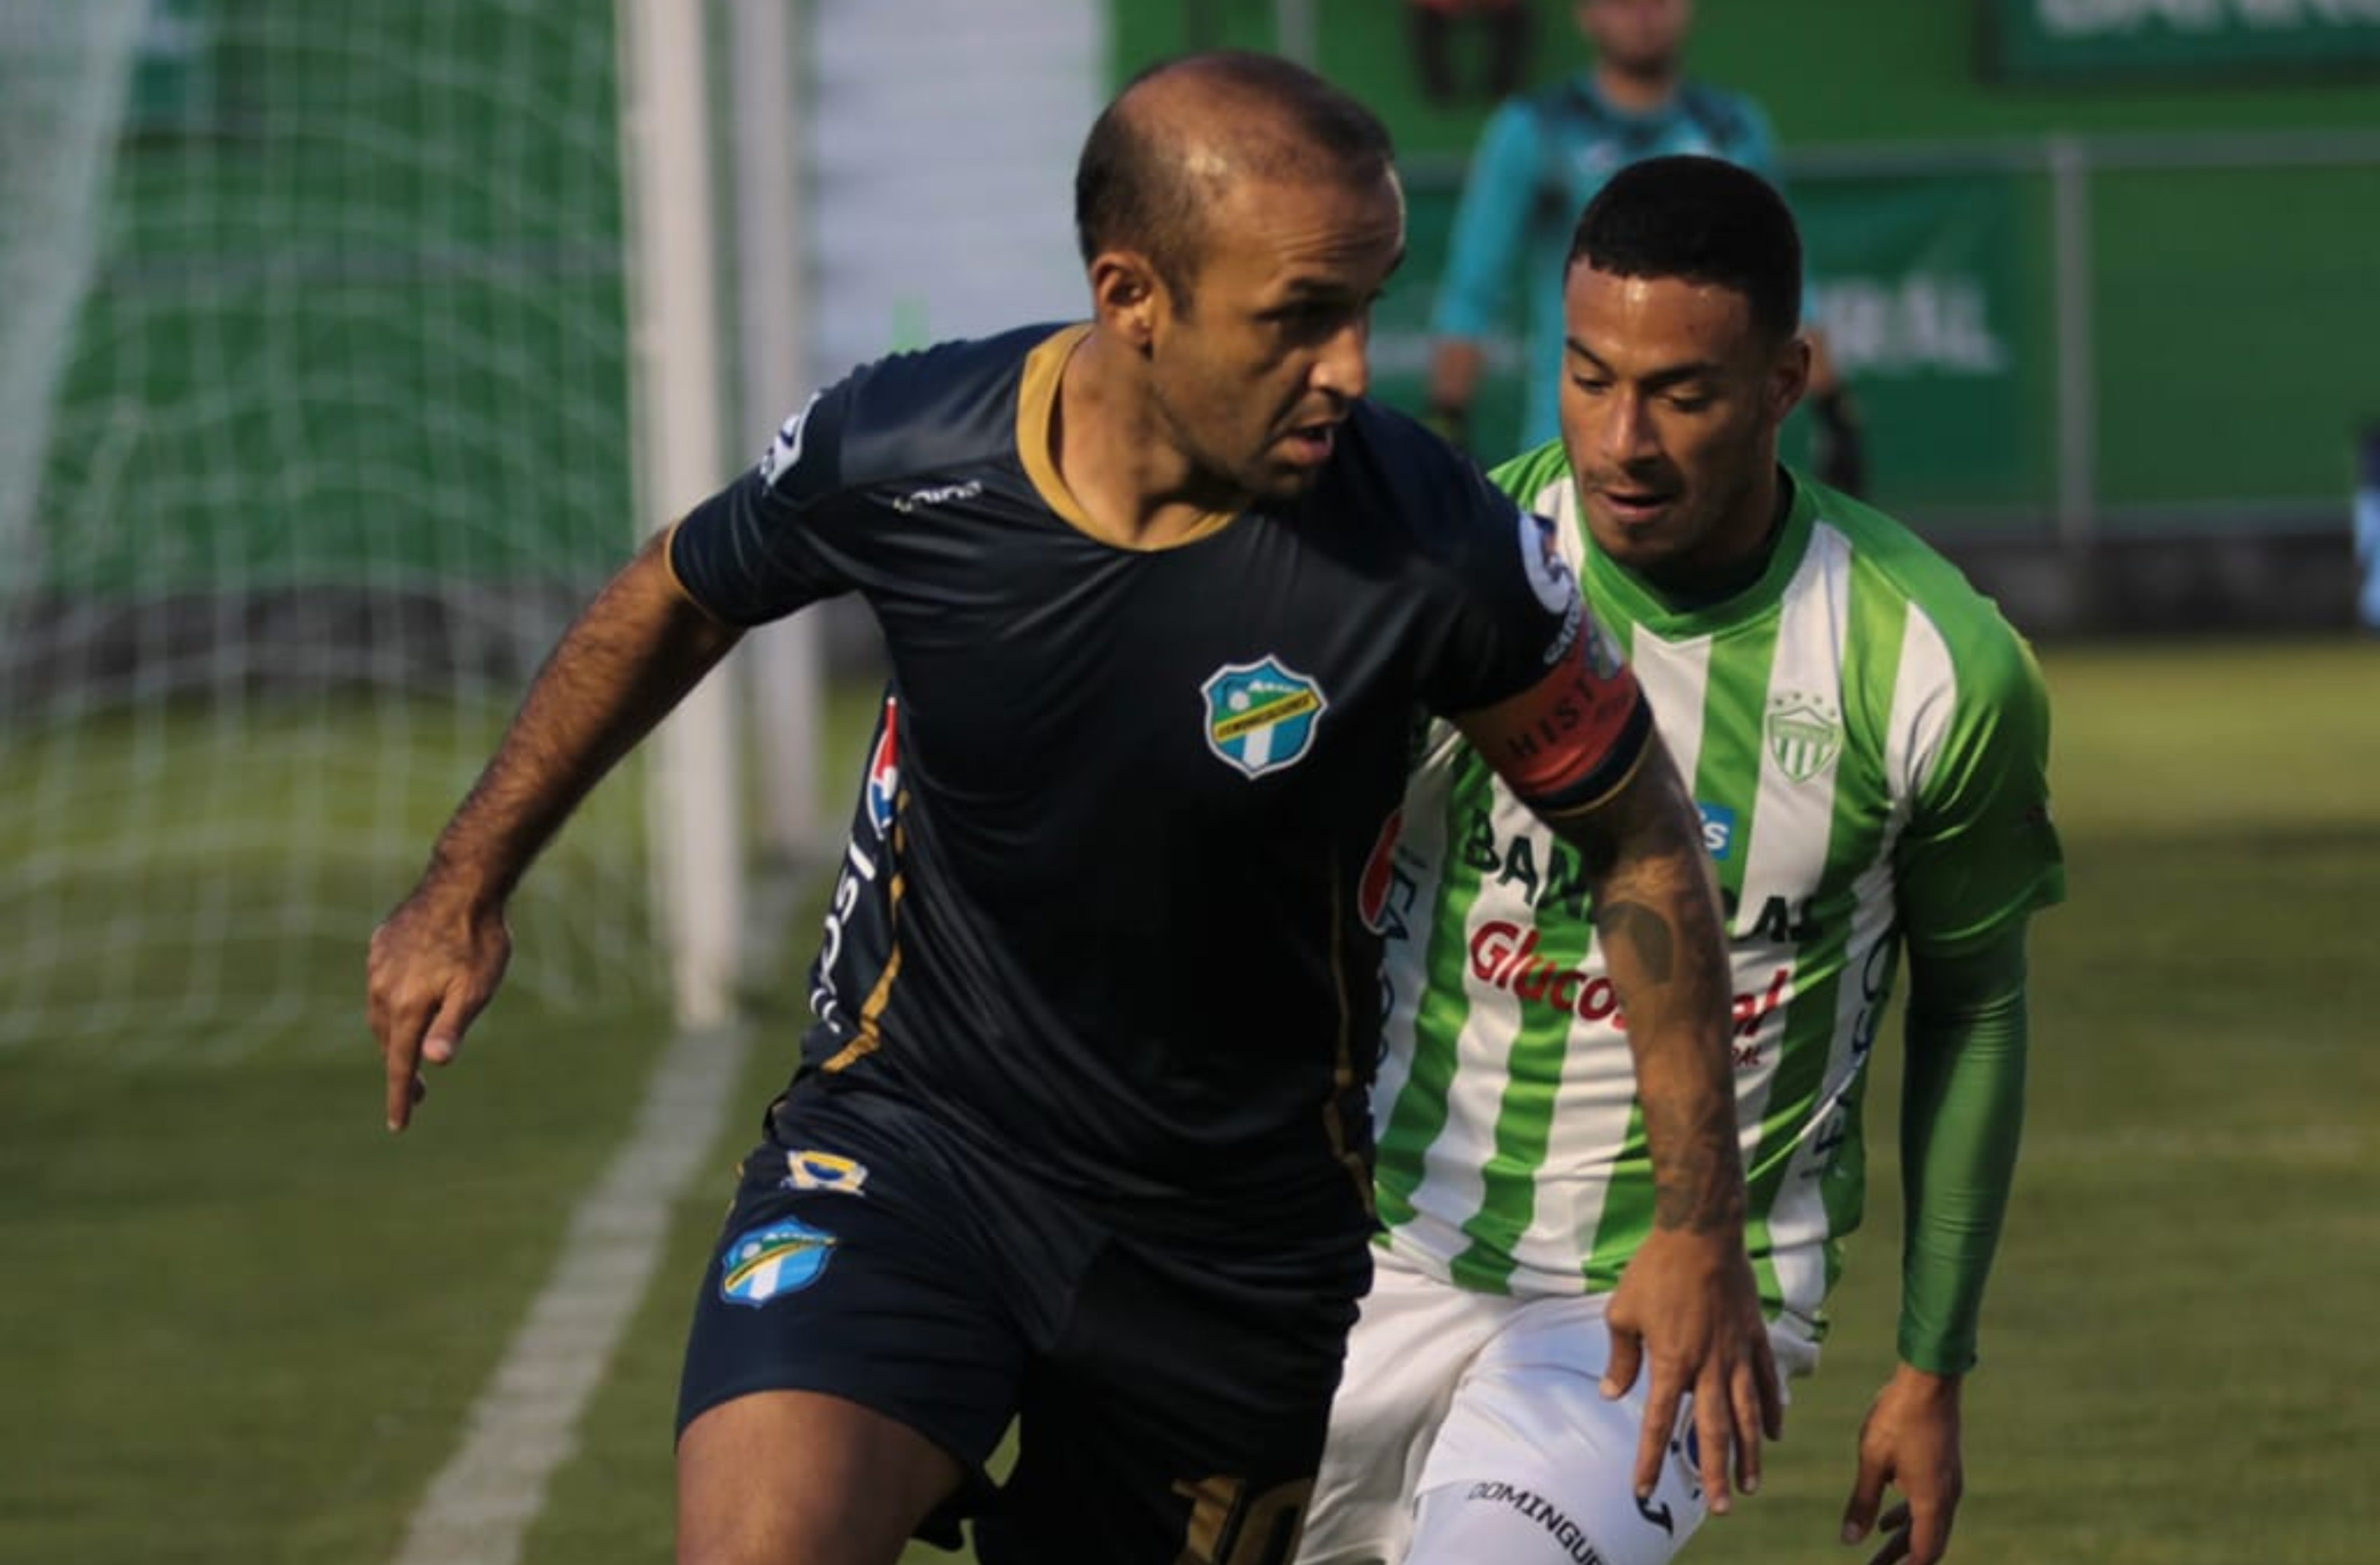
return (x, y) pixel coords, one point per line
(2114, 40)
(1922, 291)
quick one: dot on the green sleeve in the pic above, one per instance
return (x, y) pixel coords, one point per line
(1961, 1113)
(1980, 852)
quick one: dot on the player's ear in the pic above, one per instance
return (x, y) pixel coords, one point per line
(1125, 295)
(1789, 377)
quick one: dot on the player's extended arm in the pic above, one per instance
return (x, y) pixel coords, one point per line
(1963, 1109)
(630, 656)
(1687, 1300)
(1688, 1296)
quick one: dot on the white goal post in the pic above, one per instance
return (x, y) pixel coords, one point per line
(673, 329)
(699, 833)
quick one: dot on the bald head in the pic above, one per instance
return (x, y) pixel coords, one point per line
(1184, 132)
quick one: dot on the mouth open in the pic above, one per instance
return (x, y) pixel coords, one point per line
(1311, 444)
(1636, 507)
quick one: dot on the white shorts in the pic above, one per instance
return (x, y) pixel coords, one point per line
(1484, 1417)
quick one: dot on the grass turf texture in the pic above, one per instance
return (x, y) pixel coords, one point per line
(242, 1324)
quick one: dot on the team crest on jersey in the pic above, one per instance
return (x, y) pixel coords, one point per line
(1260, 716)
(812, 1170)
(784, 1256)
(883, 787)
(1805, 734)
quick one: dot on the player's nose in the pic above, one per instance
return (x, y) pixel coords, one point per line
(1343, 368)
(1629, 434)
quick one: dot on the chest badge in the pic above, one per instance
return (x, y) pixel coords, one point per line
(1260, 716)
(1805, 734)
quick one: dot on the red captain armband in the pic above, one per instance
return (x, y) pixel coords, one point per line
(1568, 741)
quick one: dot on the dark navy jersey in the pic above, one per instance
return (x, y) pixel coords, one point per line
(1105, 910)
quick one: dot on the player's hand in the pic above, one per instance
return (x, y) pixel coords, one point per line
(1909, 1440)
(434, 963)
(1688, 1303)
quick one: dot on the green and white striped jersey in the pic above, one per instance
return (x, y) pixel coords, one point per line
(1867, 738)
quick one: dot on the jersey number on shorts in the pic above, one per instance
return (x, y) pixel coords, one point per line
(1228, 1526)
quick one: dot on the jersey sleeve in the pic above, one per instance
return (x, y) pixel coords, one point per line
(1962, 1117)
(1533, 682)
(1980, 852)
(1491, 220)
(767, 544)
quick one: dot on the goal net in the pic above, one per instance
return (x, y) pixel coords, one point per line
(314, 428)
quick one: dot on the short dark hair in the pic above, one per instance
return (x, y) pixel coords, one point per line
(1704, 219)
(1135, 190)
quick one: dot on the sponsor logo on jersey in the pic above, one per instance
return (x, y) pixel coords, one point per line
(1541, 870)
(784, 1256)
(1261, 716)
(786, 449)
(812, 1170)
(884, 786)
(1550, 578)
(941, 495)
(1504, 956)
(1805, 734)
(1543, 1511)
(1719, 829)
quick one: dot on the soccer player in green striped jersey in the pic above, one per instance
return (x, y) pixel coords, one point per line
(1867, 738)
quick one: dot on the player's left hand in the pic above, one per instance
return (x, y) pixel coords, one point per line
(1688, 1302)
(1909, 1439)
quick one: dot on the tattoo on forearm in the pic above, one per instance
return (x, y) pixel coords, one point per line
(1692, 1189)
(1647, 934)
(1657, 921)
(1652, 930)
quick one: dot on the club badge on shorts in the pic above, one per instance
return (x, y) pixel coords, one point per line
(812, 1170)
(1260, 716)
(784, 1256)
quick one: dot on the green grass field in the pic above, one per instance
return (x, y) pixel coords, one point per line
(243, 1324)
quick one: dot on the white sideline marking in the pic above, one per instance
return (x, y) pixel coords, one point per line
(525, 1423)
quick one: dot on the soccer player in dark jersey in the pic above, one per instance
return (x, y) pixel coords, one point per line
(1079, 1140)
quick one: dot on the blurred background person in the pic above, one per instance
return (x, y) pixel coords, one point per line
(1541, 157)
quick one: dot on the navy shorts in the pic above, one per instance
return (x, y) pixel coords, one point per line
(1170, 1401)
